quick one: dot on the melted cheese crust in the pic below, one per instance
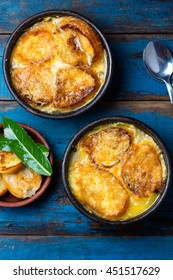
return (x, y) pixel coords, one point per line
(128, 154)
(58, 64)
(116, 140)
(142, 170)
(99, 190)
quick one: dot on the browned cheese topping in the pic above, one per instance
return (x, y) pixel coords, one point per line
(107, 147)
(117, 172)
(100, 190)
(142, 171)
(58, 64)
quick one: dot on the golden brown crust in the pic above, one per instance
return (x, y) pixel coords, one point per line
(3, 188)
(142, 171)
(9, 162)
(139, 168)
(73, 85)
(36, 45)
(88, 45)
(107, 147)
(23, 184)
(52, 64)
(99, 190)
(76, 50)
(34, 84)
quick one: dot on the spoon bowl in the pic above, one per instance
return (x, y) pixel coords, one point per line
(159, 63)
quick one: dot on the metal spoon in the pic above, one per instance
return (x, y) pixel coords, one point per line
(159, 63)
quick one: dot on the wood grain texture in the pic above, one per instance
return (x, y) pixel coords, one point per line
(82, 248)
(112, 16)
(130, 80)
(51, 228)
(53, 214)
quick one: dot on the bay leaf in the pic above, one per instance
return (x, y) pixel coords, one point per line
(44, 149)
(4, 145)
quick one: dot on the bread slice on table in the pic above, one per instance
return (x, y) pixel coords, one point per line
(23, 184)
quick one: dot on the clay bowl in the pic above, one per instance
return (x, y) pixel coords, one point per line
(10, 201)
(71, 150)
(14, 38)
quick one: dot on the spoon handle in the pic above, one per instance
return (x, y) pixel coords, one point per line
(170, 90)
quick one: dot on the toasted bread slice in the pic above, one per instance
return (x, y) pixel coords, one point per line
(85, 40)
(99, 190)
(9, 162)
(73, 85)
(107, 147)
(3, 188)
(36, 45)
(142, 171)
(74, 48)
(23, 184)
(35, 84)
(39, 86)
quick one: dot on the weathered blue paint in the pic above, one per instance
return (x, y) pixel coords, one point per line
(130, 79)
(84, 248)
(59, 133)
(54, 228)
(112, 16)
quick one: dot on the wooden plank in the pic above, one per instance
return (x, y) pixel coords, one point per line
(158, 115)
(112, 16)
(130, 80)
(53, 213)
(4, 92)
(83, 248)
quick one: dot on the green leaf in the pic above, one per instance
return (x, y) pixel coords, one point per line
(25, 148)
(44, 149)
(4, 145)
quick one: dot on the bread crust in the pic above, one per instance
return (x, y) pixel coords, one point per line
(36, 45)
(142, 171)
(58, 65)
(99, 190)
(107, 147)
(9, 162)
(35, 84)
(3, 188)
(23, 184)
(73, 85)
(94, 46)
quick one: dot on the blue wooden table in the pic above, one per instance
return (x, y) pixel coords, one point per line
(51, 228)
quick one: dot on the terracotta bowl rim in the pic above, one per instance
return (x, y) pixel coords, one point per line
(46, 180)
